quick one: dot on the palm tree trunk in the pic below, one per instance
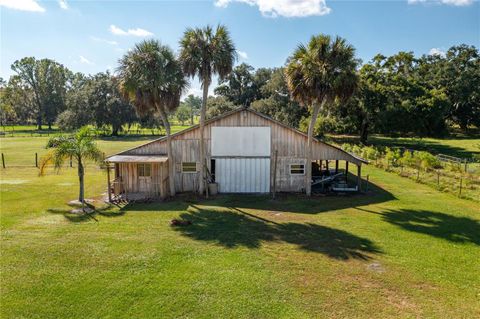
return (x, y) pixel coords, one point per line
(203, 111)
(313, 120)
(81, 173)
(171, 172)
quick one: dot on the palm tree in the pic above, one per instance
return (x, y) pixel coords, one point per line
(204, 53)
(151, 77)
(80, 147)
(317, 75)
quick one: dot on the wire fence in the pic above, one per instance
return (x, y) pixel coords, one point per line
(133, 130)
(35, 162)
(464, 184)
(96, 133)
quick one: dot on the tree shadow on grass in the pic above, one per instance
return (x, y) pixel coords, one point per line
(234, 228)
(436, 224)
(285, 202)
(301, 204)
(85, 217)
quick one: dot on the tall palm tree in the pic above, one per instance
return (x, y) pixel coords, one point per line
(206, 52)
(317, 75)
(151, 77)
(80, 147)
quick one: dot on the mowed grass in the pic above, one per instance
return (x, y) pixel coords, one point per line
(402, 250)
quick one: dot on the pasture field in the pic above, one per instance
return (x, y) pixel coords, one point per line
(463, 147)
(402, 250)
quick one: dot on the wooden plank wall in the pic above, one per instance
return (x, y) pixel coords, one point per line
(128, 175)
(289, 144)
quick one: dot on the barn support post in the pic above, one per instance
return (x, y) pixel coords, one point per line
(326, 165)
(336, 166)
(109, 189)
(359, 177)
(274, 188)
(346, 172)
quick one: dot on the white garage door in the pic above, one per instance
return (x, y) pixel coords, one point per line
(243, 175)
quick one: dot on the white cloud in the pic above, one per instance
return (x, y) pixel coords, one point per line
(436, 51)
(242, 54)
(63, 4)
(84, 60)
(135, 32)
(449, 2)
(23, 5)
(285, 8)
(104, 40)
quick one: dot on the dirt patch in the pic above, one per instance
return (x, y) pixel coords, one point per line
(376, 267)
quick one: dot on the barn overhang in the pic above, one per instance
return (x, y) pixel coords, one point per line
(137, 159)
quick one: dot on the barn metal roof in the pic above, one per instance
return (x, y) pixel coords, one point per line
(137, 159)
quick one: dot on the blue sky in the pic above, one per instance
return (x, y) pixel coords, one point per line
(90, 36)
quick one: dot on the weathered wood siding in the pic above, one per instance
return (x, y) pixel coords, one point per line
(128, 175)
(290, 145)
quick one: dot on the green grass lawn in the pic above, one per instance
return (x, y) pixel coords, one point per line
(20, 151)
(402, 250)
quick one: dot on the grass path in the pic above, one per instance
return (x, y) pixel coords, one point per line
(403, 250)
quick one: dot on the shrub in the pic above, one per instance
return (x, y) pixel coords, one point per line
(370, 153)
(392, 156)
(407, 159)
(426, 160)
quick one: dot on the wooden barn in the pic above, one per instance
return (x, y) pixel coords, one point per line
(248, 152)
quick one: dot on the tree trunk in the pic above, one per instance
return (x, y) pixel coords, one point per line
(115, 130)
(171, 163)
(49, 126)
(81, 173)
(364, 132)
(203, 111)
(191, 115)
(308, 175)
(39, 121)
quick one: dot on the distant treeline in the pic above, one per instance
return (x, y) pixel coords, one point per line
(400, 94)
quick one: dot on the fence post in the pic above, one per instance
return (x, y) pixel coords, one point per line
(438, 179)
(71, 161)
(36, 159)
(3, 160)
(418, 174)
(460, 190)
(465, 165)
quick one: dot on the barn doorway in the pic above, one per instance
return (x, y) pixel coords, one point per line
(243, 175)
(242, 158)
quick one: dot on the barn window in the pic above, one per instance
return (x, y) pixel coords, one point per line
(189, 167)
(297, 169)
(144, 170)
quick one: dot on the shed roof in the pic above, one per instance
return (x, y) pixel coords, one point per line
(137, 159)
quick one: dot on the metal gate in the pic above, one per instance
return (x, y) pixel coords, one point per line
(243, 175)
